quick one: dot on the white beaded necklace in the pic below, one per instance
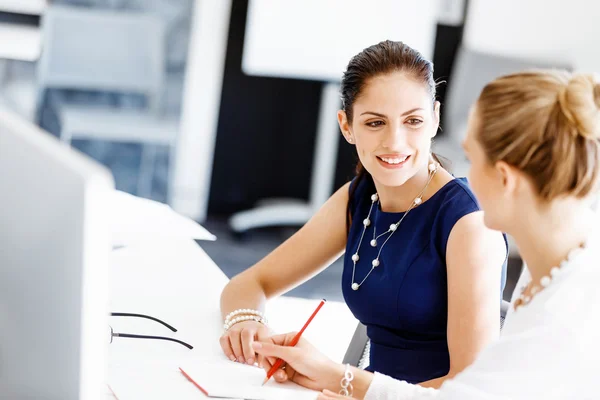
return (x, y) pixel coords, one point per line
(546, 280)
(433, 167)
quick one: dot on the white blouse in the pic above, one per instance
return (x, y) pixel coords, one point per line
(548, 349)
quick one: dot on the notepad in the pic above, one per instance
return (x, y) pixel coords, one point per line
(226, 379)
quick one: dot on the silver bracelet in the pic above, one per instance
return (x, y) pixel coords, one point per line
(347, 388)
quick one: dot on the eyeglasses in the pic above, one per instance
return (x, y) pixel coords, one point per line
(114, 334)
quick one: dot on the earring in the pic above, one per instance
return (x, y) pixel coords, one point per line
(349, 140)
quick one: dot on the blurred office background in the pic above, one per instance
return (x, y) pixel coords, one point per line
(192, 102)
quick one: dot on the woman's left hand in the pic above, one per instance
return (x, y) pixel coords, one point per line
(306, 366)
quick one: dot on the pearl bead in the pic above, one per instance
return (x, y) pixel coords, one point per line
(393, 227)
(374, 243)
(374, 197)
(375, 262)
(545, 281)
(526, 299)
(432, 167)
(366, 222)
(554, 271)
(355, 286)
(418, 201)
(355, 257)
(534, 290)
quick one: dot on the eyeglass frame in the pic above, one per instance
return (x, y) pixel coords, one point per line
(114, 334)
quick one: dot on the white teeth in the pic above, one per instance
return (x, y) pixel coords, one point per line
(394, 160)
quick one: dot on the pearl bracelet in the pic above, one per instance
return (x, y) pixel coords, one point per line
(347, 388)
(242, 315)
(243, 311)
(243, 318)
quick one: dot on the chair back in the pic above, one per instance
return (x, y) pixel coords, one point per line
(91, 49)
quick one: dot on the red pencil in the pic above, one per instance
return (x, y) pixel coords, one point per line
(294, 342)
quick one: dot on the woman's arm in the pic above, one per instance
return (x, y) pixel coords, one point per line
(314, 247)
(474, 258)
(527, 364)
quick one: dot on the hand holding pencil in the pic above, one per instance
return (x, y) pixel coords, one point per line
(279, 363)
(305, 365)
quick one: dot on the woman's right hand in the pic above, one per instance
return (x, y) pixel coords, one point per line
(305, 365)
(237, 342)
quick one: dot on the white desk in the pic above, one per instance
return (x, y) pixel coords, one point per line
(20, 42)
(30, 7)
(181, 285)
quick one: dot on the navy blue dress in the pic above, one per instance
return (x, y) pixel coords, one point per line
(404, 302)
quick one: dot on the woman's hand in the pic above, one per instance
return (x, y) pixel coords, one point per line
(237, 342)
(306, 366)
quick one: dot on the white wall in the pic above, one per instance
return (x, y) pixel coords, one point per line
(192, 167)
(552, 30)
(315, 39)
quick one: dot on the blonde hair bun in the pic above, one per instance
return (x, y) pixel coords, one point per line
(580, 103)
(546, 123)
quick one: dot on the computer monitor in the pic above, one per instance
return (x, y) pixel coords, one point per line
(54, 251)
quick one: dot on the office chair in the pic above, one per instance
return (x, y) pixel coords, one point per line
(103, 50)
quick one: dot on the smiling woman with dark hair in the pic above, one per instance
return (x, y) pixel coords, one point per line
(421, 270)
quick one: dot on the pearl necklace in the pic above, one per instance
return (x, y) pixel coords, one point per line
(546, 280)
(433, 167)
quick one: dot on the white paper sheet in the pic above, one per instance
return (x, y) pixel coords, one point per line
(138, 220)
(225, 379)
(152, 382)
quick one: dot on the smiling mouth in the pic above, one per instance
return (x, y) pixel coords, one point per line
(394, 160)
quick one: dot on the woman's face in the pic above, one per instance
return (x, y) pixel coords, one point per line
(485, 179)
(393, 123)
